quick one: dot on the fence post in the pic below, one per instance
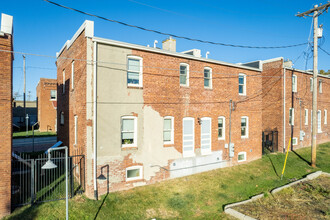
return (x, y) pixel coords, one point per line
(32, 181)
(71, 176)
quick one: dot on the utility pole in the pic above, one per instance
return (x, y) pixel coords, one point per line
(24, 97)
(316, 11)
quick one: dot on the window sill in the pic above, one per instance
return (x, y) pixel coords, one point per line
(184, 86)
(241, 94)
(221, 139)
(244, 137)
(189, 155)
(208, 88)
(52, 99)
(239, 161)
(129, 147)
(134, 87)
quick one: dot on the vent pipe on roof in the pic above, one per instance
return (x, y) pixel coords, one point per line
(155, 43)
(207, 54)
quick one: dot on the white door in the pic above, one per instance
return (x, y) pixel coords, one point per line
(205, 136)
(188, 137)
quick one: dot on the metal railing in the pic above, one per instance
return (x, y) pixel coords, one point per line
(31, 184)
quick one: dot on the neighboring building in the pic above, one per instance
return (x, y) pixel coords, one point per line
(6, 94)
(19, 116)
(287, 104)
(47, 104)
(158, 114)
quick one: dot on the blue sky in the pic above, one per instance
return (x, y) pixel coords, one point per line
(42, 28)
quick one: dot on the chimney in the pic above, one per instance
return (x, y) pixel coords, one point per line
(6, 24)
(169, 44)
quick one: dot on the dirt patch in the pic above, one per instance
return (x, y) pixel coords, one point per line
(307, 200)
(161, 212)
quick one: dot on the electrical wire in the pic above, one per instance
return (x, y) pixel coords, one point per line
(174, 35)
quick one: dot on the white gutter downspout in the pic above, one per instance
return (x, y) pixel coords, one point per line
(284, 131)
(94, 120)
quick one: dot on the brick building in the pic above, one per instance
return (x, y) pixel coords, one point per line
(19, 116)
(148, 114)
(6, 87)
(47, 104)
(287, 103)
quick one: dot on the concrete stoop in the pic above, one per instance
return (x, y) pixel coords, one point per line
(228, 208)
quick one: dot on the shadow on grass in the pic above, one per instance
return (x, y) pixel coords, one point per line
(309, 163)
(98, 211)
(271, 162)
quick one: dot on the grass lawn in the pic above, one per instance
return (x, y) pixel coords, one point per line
(200, 196)
(306, 199)
(22, 134)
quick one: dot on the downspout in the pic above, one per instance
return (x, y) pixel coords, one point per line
(94, 120)
(284, 130)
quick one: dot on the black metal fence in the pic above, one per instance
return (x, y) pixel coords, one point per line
(31, 184)
(269, 141)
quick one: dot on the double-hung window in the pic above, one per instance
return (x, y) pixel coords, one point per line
(53, 94)
(291, 116)
(207, 77)
(244, 127)
(294, 83)
(184, 74)
(241, 84)
(134, 71)
(306, 116)
(129, 131)
(320, 86)
(221, 128)
(168, 132)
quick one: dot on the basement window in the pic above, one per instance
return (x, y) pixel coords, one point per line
(133, 173)
(128, 131)
(134, 71)
(241, 156)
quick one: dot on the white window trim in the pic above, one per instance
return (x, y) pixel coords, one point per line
(223, 129)
(325, 116)
(306, 116)
(210, 69)
(320, 86)
(140, 73)
(51, 99)
(209, 151)
(319, 129)
(244, 85)
(72, 75)
(190, 154)
(292, 117)
(294, 86)
(63, 88)
(134, 144)
(187, 79)
(247, 126)
(240, 153)
(296, 141)
(75, 129)
(133, 168)
(172, 130)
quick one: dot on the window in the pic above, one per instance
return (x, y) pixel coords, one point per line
(325, 116)
(168, 133)
(294, 83)
(242, 84)
(206, 136)
(63, 88)
(311, 83)
(291, 116)
(72, 75)
(221, 128)
(62, 118)
(244, 127)
(134, 173)
(207, 77)
(184, 74)
(306, 116)
(128, 131)
(241, 156)
(53, 94)
(188, 137)
(294, 141)
(75, 129)
(134, 71)
(319, 129)
(320, 86)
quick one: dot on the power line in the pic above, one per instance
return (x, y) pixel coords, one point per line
(173, 35)
(324, 51)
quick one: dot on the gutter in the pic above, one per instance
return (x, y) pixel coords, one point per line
(284, 130)
(94, 121)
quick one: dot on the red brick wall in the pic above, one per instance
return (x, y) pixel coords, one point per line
(46, 107)
(6, 87)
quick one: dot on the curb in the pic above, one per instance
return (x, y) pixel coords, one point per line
(239, 215)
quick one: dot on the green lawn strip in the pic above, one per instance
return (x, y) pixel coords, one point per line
(22, 134)
(200, 196)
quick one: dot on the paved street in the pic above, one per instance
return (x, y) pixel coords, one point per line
(40, 143)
